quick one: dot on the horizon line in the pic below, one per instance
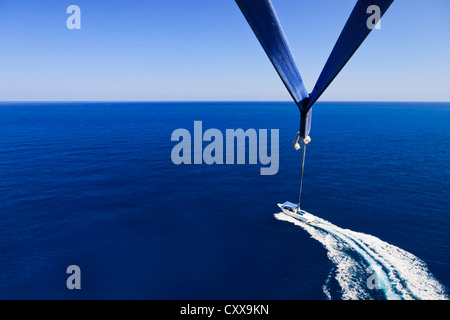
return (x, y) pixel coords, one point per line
(209, 101)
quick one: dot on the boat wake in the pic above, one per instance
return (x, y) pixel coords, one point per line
(366, 267)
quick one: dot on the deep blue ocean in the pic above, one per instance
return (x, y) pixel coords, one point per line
(93, 185)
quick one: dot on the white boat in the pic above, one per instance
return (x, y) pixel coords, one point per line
(293, 210)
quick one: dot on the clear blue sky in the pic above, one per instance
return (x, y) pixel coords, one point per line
(204, 50)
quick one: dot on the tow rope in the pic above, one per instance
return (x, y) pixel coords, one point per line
(304, 142)
(301, 176)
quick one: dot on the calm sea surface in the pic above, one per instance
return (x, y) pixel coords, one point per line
(93, 185)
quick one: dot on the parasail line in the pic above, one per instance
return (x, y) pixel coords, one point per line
(301, 176)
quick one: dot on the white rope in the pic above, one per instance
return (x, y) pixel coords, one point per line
(301, 176)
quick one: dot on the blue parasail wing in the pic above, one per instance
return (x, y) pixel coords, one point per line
(354, 33)
(264, 22)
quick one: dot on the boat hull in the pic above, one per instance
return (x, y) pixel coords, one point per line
(302, 216)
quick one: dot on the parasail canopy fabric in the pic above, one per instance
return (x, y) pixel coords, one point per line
(264, 22)
(352, 36)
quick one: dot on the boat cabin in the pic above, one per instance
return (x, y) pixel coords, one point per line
(291, 207)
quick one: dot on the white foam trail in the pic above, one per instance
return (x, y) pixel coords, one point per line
(365, 263)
